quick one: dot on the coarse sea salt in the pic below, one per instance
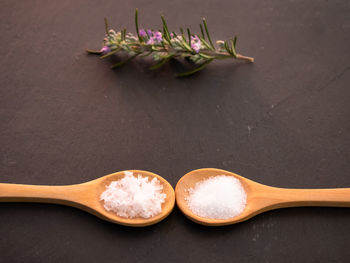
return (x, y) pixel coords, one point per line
(134, 196)
(218, 197)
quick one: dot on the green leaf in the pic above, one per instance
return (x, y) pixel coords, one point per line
(163, 43)
(123, 34)
(137, 24)
(228, 48)
(106, 26)
(165, 35)
(189, 36)
(203, 36)
(184, 43)
(182, 34)
(146, 54)
(164, 23)
(235, 41)
(202, 66)
(233, 49)
(207, 31)
(204, 42)
(110, 53)
(206, 56)
(97, 52)
(158, 65)
(166, 31)
(162, 62)
(197, 59)
(125, 61)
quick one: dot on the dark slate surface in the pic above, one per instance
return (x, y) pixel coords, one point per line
(67, 118)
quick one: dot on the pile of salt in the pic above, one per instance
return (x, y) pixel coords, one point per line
(218, 197)
(132, 196)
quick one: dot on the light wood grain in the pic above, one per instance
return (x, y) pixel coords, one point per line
(86, 196)
(260, 198)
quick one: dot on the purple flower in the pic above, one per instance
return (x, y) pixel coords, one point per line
(195, 43)
(105, 50)
(158, 37)
(142, 33)
(150, 41)
(171, 35)
(155, 38)
(149, 32)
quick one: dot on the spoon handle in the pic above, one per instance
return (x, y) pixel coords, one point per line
(67, 194)
(282, 197)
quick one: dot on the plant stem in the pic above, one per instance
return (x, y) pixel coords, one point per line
(250, 59)
(227, 55)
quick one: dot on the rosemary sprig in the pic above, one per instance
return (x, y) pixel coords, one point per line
(164, 46)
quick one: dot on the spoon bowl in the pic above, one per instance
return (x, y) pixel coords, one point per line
(86, 196)
(259, 197)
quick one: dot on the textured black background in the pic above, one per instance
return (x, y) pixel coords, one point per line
(67, 118)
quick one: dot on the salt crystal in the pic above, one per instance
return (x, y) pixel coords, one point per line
(218, 197)
(133, 196)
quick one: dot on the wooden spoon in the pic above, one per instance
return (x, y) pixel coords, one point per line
(86, 196)
(260, 198)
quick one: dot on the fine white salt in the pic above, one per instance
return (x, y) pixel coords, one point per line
(134, 196)
(218, 197)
